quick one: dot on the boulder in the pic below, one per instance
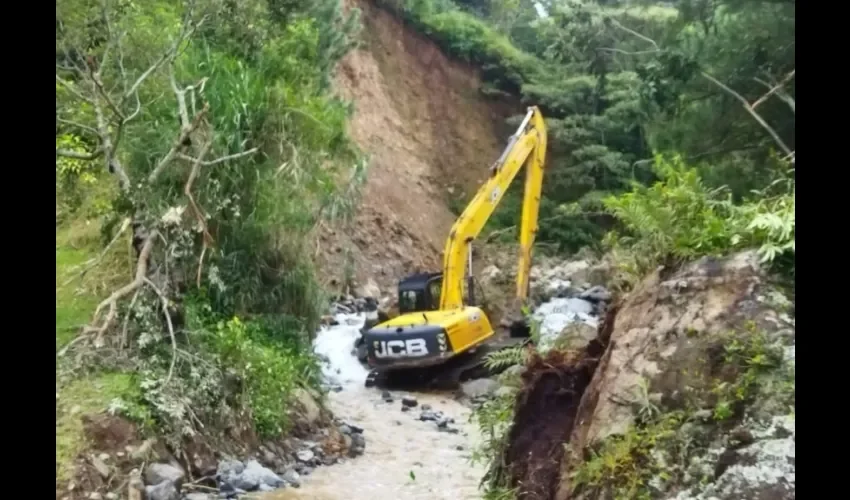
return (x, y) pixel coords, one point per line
(479, 388)
(702, 355)
(157, 473)
(370, 290)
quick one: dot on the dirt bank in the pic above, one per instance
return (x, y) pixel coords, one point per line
(429, 133)
(692, 398)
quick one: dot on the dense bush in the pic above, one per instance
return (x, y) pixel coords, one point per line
(224, 321)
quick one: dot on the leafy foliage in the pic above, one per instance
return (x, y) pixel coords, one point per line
(680, 218)
(223, 324)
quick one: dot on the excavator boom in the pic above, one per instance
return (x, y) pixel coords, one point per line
(526, 147)
(446, 337)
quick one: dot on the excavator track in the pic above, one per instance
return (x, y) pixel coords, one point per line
(445, 376)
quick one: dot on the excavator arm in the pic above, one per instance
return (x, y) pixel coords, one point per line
(526, 147)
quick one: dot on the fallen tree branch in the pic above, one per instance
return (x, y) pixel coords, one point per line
(165, 304)
(218, 160)
(95, 261)
(111, 302)
(199, 215)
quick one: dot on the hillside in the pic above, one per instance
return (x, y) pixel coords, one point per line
(229, 173)
(430, 136)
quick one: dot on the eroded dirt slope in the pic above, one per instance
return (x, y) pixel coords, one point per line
(428, 132)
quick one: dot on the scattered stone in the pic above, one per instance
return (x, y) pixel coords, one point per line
(405, 408)
(95, 496)
(478, 388)
(387, 396)
(344, 430)
(198, 496)
(355, 429)
(101, 467)
(111, 496)
(230, 467)
(426, 407)
(162, 491)
(305, 455)
(428, 416)
(292, 478)
(459, 448)
(596, 294)
(443, 423)
(157, 473)
(409, 401)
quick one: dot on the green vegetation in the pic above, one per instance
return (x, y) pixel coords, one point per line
(624, 82)
(659, 447)
(198, 146)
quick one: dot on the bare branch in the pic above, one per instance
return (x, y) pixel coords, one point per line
(634, 33)
(78, 125)
(67, 153)
(127, 319)
(181, 100)
(625, 52)
(218, 160)
(776, 89)
(72, 89)
(111, 302)
(178, 144)
(188, 29)
(168, 321)
(778, 140)
(95, 261)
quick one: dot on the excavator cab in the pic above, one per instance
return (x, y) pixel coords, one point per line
(419, 292)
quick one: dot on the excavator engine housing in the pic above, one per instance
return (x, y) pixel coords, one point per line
(422, 339)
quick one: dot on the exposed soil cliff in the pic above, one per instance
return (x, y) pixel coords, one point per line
(429, 133)
(691, 397)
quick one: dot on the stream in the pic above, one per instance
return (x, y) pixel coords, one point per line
(406, 458)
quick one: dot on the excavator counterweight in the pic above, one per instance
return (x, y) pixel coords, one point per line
(439, 323)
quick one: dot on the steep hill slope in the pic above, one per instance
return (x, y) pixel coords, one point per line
(430, 135)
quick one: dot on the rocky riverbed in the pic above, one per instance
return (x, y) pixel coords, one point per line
(386, 444)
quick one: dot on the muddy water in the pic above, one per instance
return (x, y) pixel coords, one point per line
(405, 458)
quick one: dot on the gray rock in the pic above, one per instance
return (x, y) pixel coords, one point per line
(355, 429)
(256, 475)
(198, 496)
(409, 401)
(428, 416)
(162, 491)
(387, 397)
(305, 455)
(578, 306)
(426, 407)
(596, 294)
(230, 467)
(443, 423)
(405, 408)
(157, 473)
(477, 388)
(265, 487)
(292, 478)
(344, 430)
(357, 440)
(95, 496)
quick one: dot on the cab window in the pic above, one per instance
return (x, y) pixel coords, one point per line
(435, 287)
(407, 300)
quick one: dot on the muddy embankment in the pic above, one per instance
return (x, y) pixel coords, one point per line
(430, 135)
(686, 393)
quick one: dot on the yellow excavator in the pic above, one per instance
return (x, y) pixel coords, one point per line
(440, 333)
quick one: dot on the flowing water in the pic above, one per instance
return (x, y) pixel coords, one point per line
(405, 458)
